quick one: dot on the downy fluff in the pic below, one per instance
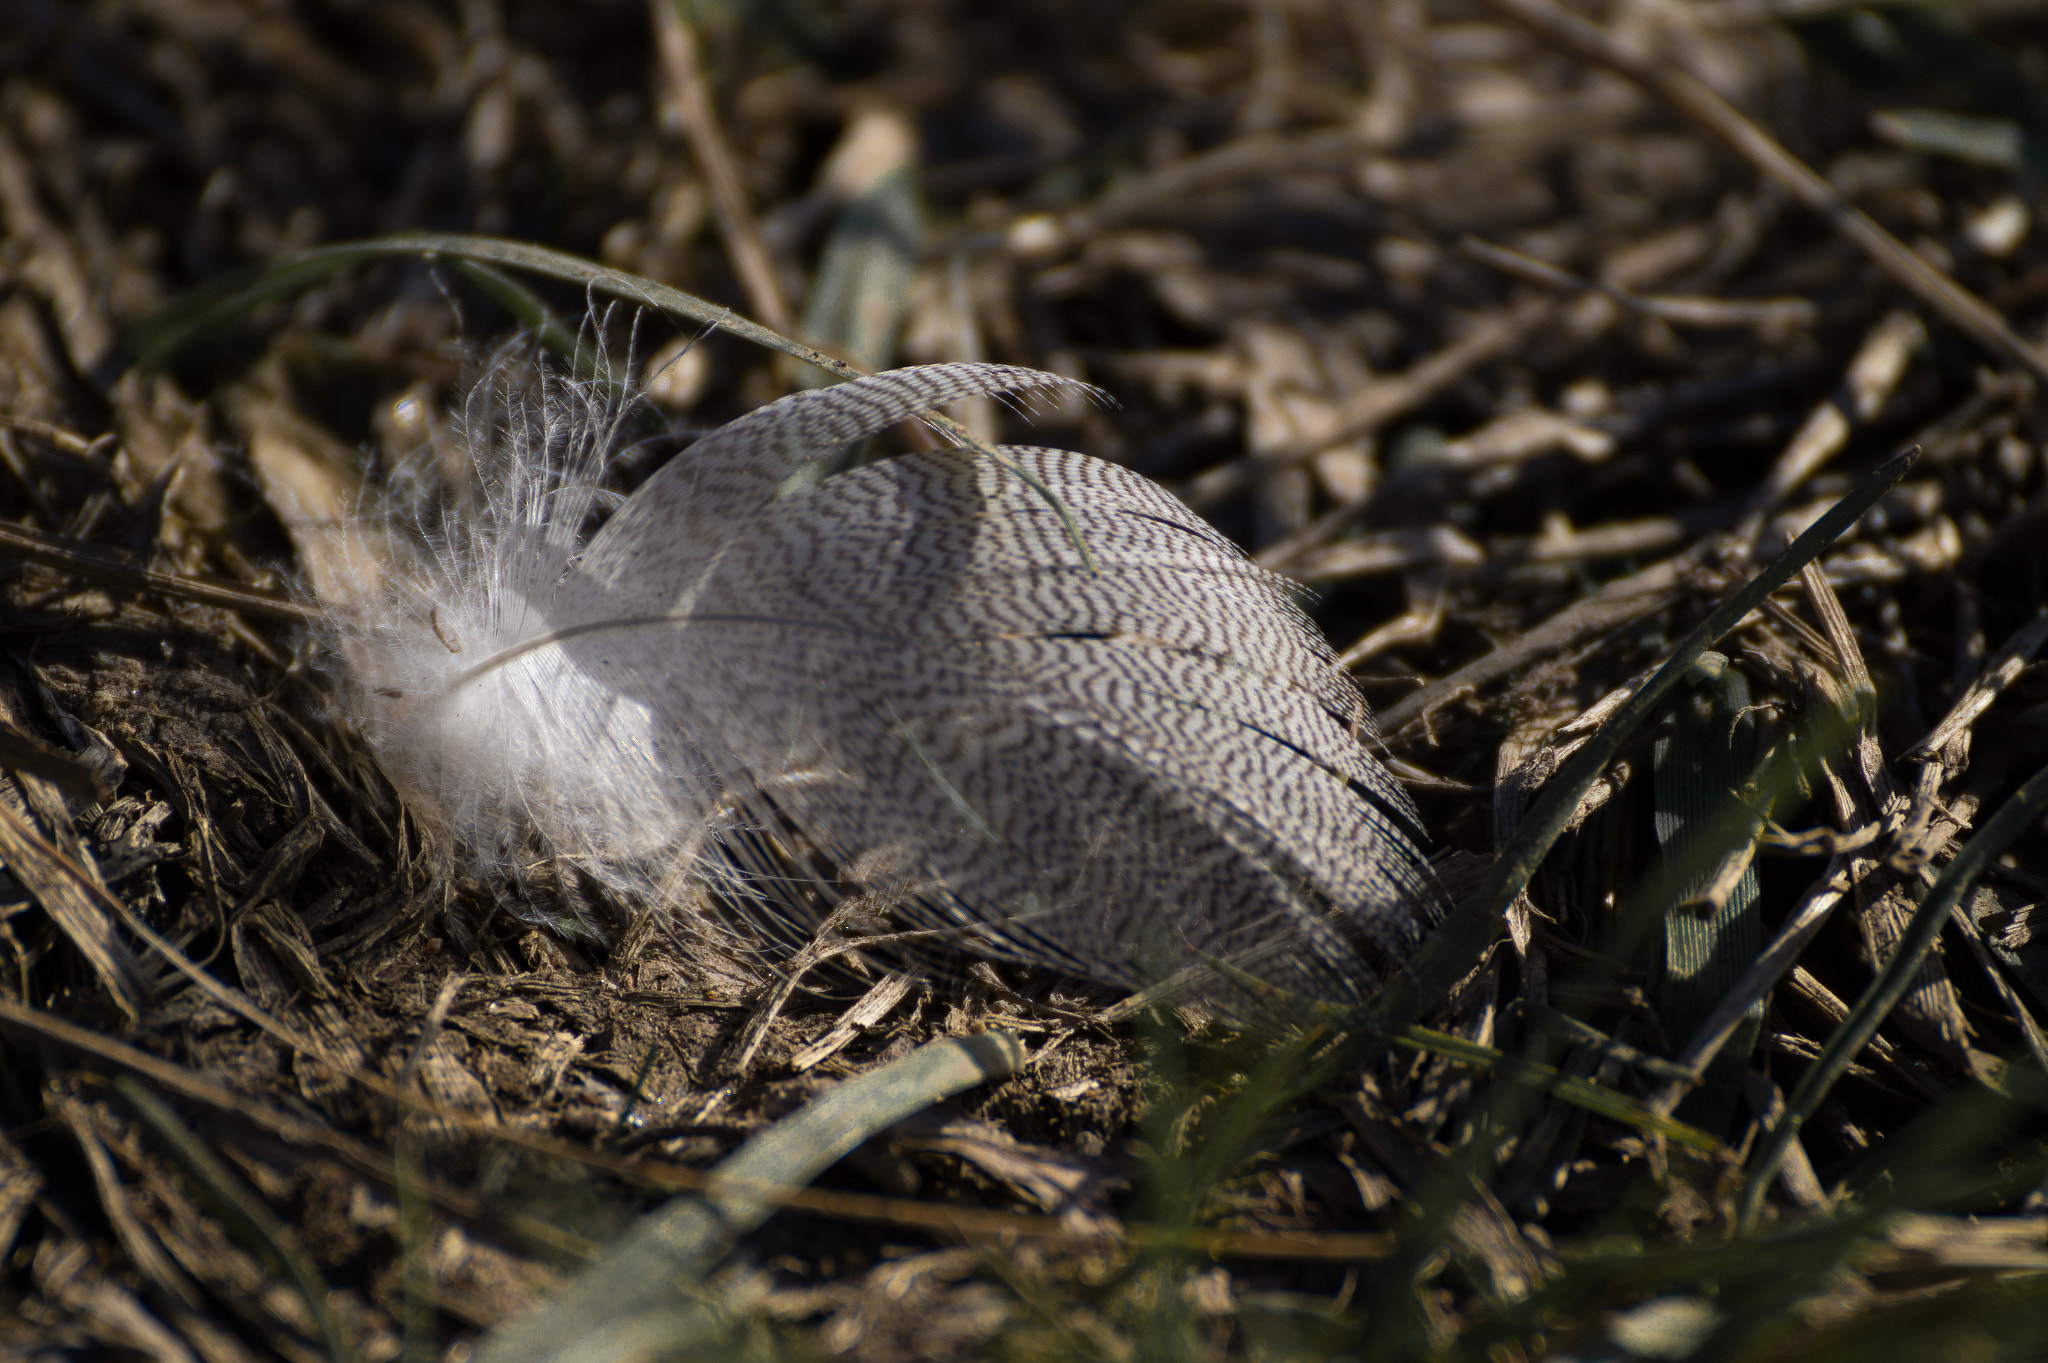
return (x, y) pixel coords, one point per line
(902, 683)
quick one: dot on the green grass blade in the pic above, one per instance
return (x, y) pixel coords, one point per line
(533, 313)
(863, 284)
(2026, 805)
(240, 1209)
(159, 339)
(1581, 1093)
(184, 319)
(1706, 758)
(1451, 948)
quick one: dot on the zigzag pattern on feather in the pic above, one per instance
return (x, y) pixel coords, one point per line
(1118, 771)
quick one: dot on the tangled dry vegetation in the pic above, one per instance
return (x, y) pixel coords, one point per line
(1496, 332)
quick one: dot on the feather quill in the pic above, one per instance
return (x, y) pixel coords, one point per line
(903, 682)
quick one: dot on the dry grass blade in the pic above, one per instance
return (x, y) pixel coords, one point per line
(1999, 672)
(21, 752)
(78, 905)
(1958, 306)
(682, 62)
(1871, 377)
(1379, 404)
(95, 565)
(1686, 311)
(1255, 155)
(871, 1008)
(69, 441)
(1610, 608)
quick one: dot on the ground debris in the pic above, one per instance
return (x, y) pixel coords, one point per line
(1520, 370)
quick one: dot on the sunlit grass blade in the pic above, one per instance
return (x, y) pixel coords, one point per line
(1580, 1093)
(584, 360)
(633, 1299)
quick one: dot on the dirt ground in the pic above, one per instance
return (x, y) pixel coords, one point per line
(1519, 344)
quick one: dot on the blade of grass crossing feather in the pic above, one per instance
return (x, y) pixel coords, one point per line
(241, 1209)
(160, 337)
(1449, 950)
(2026, 805)
(184, 319)
(533, 313)
(631, 1304)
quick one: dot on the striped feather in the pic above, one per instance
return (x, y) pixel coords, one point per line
(904, 682)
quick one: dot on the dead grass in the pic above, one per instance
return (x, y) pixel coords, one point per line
(1514, 365)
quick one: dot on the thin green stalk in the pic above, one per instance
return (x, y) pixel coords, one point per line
(419, 1312)
(532, 312)
(1301, 1075)
(1583, 1094)
(241, 1209)
(1892, 983)
(1452, 947)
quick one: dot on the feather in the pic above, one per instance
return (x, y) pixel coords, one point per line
(903, 682)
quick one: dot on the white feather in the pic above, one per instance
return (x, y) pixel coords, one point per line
(903, 682)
